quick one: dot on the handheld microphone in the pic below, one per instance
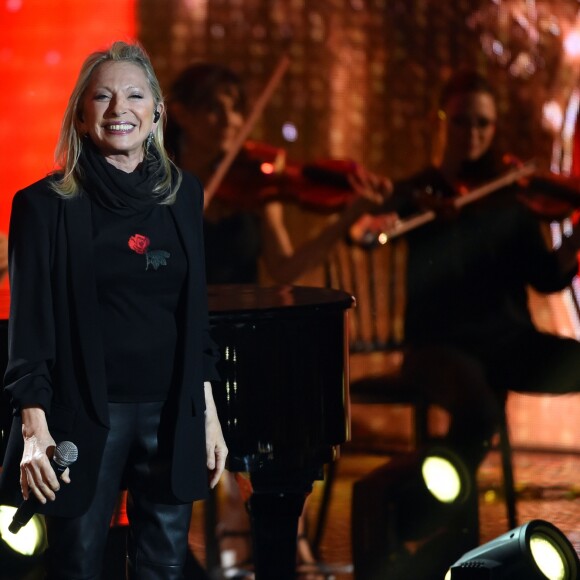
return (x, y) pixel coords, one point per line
(65, 454)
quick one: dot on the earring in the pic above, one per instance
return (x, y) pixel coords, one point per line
(148, 141)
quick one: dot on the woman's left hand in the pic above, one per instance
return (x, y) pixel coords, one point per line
(370, 188)
(215, 444)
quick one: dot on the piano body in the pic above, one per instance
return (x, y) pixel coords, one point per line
(282, 401)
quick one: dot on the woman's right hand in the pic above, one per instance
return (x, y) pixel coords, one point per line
(36, 473)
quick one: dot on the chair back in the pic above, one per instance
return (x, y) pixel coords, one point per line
(376, 277)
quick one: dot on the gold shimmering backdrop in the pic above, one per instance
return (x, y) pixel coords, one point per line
(363, 83)
(365, 74)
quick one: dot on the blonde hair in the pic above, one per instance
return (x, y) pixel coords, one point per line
(70, 141)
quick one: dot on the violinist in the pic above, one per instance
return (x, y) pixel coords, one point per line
(468, 329)
(207, 109)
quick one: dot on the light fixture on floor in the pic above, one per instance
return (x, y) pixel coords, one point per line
(537, 550)
(20, 553)
(413, 515)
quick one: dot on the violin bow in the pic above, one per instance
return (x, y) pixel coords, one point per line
(259, 106)
(525, 170)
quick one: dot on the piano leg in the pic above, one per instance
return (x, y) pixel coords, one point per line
(274, 507)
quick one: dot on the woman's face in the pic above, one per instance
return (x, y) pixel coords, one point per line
(212, 126)
(471, 120)
(117, 112)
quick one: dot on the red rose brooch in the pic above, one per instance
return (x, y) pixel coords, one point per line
(154, 258)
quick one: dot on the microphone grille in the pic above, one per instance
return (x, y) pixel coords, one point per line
(65, 453)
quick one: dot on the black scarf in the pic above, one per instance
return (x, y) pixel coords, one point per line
(116, 190)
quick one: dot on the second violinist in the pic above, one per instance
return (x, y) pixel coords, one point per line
(468, 329)
(207, 110)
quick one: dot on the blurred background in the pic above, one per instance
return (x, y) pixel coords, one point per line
(363, 79)
(363, 83)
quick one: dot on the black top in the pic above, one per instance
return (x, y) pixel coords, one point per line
(140, 272)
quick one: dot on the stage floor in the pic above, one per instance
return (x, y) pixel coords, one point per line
(548, 487)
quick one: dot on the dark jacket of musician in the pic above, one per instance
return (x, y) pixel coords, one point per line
(468, 273)
(58, 349)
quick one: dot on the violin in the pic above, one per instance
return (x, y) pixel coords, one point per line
(550, 196)
(262, 173)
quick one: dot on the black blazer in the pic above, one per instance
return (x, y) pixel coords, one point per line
(55, 347)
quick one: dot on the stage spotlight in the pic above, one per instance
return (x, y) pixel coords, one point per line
(410, 515)
(21, 553)
(443, 478)
(536, 550)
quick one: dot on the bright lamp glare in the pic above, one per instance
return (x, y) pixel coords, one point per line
(441, 479)
(30, 540)
(547, 557)
(535, 549)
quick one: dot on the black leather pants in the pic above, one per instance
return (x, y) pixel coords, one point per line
(157, 539)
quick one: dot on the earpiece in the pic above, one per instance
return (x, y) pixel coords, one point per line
(156, 116)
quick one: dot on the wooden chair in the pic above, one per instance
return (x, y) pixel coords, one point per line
(375, 276)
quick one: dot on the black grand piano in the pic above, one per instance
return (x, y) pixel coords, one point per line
(282, 401)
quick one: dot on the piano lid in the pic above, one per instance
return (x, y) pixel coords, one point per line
(251, 300)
